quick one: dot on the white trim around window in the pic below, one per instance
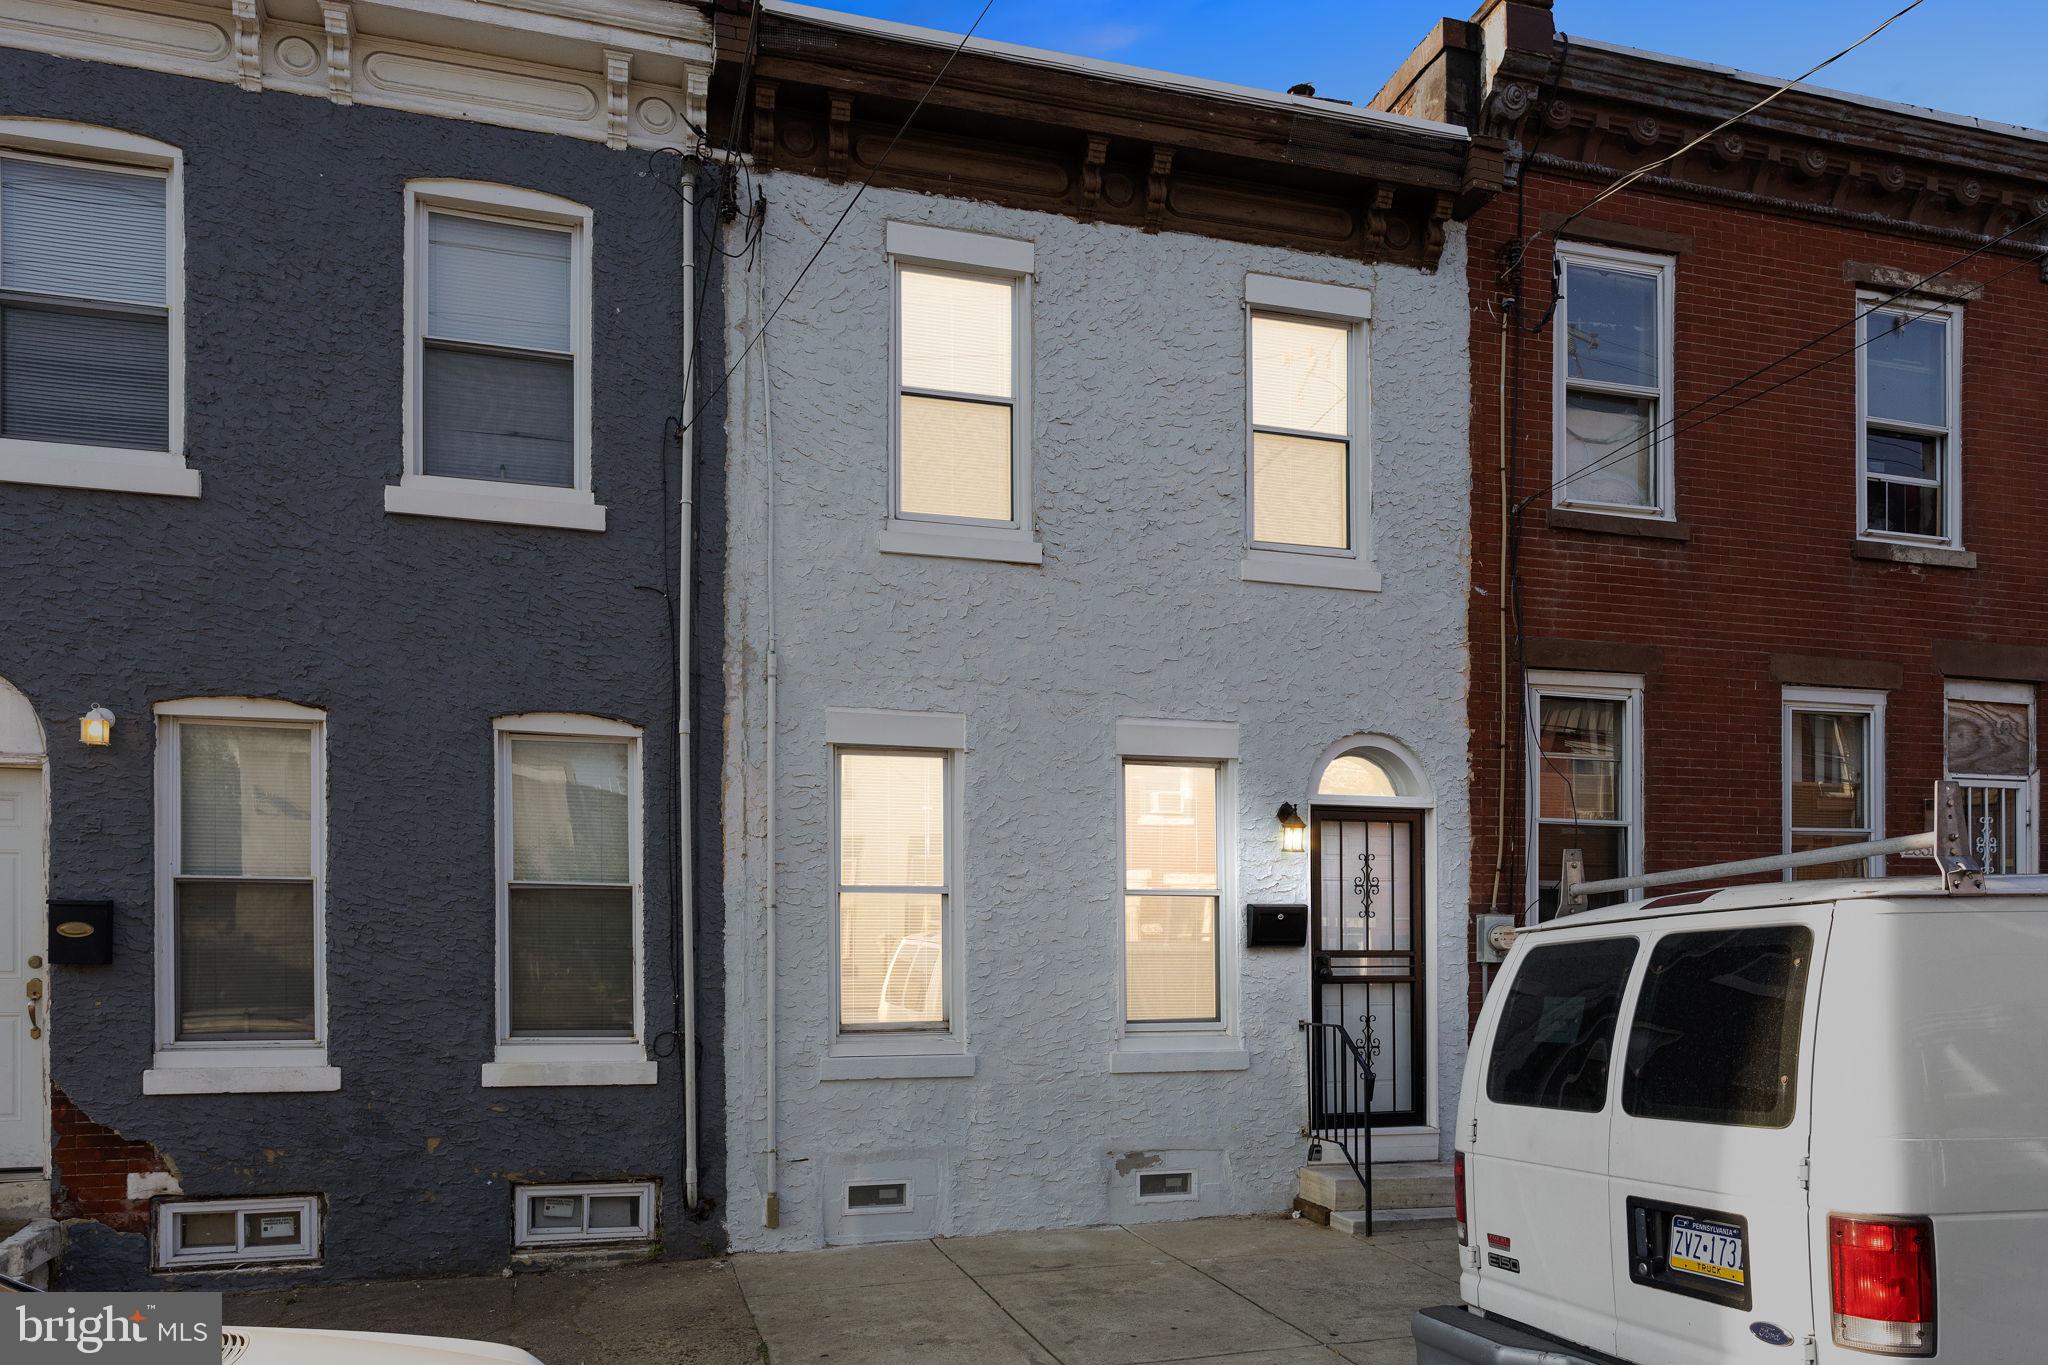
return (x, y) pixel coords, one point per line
(584, 1053)
(1661, 504)
(1211, 748)
(929, 1049)
(1624, 690)
(113, 468)
(1939, 432)
(571, 1213)
(971, 261)
(263, 1232)
(219, 1060)
(1332, 544)
(419, 493)
(1865, 711)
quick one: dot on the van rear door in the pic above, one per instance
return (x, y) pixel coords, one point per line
(1536, 1150)
(1707, 1202)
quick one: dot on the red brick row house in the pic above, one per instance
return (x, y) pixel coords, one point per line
(1756, 464)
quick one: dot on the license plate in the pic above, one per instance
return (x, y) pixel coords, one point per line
(1713, 1250)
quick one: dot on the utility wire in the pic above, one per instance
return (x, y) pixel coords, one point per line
(1658, 432)
(1625, 181)
(859, 190)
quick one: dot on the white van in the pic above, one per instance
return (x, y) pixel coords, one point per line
(1803, 1121)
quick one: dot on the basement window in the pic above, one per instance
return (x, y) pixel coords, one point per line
(553, 1215)
(224, 1233)
(1160, 1186)
(878, 1196)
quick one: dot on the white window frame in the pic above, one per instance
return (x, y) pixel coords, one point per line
(418, 493)
(1798, 701)
(1626, 688)
(906, 1051)
(242, 1065)
(1663, 464)
(2028, 788)
(305, 1251)
(116, 469)
(520, 1062)
(1312, 565)
(1873, 307)
(1193, 1191)
(1206, 1045)
(846, 1207)
(527, 1237)
(969, 253)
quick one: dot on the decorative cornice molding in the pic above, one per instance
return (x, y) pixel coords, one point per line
(629, 73)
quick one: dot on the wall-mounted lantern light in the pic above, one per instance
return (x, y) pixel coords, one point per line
(1293, 830)
(96, 727)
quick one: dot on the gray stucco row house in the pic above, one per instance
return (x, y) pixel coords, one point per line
(348, 659)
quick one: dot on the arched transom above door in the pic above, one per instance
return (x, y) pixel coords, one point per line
(1370, 769)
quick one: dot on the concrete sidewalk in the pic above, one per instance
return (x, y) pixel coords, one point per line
(1226, 1291)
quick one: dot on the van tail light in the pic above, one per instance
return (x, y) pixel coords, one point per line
(1882, 1270)
(1458, 1182)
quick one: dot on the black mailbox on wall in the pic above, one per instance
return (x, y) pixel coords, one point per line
(81, 933)
(1276, 926)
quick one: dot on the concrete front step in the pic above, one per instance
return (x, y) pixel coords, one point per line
(1353, 1221)
(1395, 1185)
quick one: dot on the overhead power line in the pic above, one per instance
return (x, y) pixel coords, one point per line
(859, 190)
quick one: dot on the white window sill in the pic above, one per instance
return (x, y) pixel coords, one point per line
(1309, 571)
(426, 495)
(948, 540)
(107, 468)
(929, 1066)
(240, 1071)
(1140, 1054)
(525, 1075)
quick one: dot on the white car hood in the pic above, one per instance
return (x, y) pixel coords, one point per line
(298, 1346)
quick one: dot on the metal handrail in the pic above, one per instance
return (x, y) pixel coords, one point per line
(1337, 1067)
(1947, 842)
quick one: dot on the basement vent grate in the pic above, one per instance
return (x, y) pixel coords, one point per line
(1166, 1184)
(887, 1196)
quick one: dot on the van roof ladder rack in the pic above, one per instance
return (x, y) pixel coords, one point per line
(1947, 843)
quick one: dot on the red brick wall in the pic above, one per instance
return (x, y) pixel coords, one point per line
(93, 1163)
(1769, 494)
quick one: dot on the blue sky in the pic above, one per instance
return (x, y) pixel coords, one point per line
(1981, 57)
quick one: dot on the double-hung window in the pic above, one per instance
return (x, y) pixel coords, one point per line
(1611, 381)
(497, 357)
(1834, 776)
(241, 855)
(894, 883)
(91, 327)
(960, 474)
(1172, 892)
(1308, 484)
(1990, 746)
(1585, 778)
(1908, 359)
(569, 953)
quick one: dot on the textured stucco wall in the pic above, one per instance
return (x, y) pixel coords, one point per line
(1138, 611)
(287, 579)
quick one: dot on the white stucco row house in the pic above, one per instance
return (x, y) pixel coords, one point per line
(1097, 486)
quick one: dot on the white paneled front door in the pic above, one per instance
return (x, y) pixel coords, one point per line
(24, 996)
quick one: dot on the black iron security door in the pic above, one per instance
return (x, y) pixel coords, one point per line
(1367, 947)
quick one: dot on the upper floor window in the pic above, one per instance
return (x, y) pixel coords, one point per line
(960, 474)
(91, 325)
(1585, 778)
(1834, 776)
(1611, 381)
(497, 357)
(1308, 475)
(1907, 366)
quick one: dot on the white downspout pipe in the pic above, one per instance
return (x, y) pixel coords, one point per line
(685, 861)
(771, 1211)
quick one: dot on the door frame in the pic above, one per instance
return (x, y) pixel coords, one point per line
(1420, 997)
(23, 749)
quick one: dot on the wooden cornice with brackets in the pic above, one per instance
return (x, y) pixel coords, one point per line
(1086, 140)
